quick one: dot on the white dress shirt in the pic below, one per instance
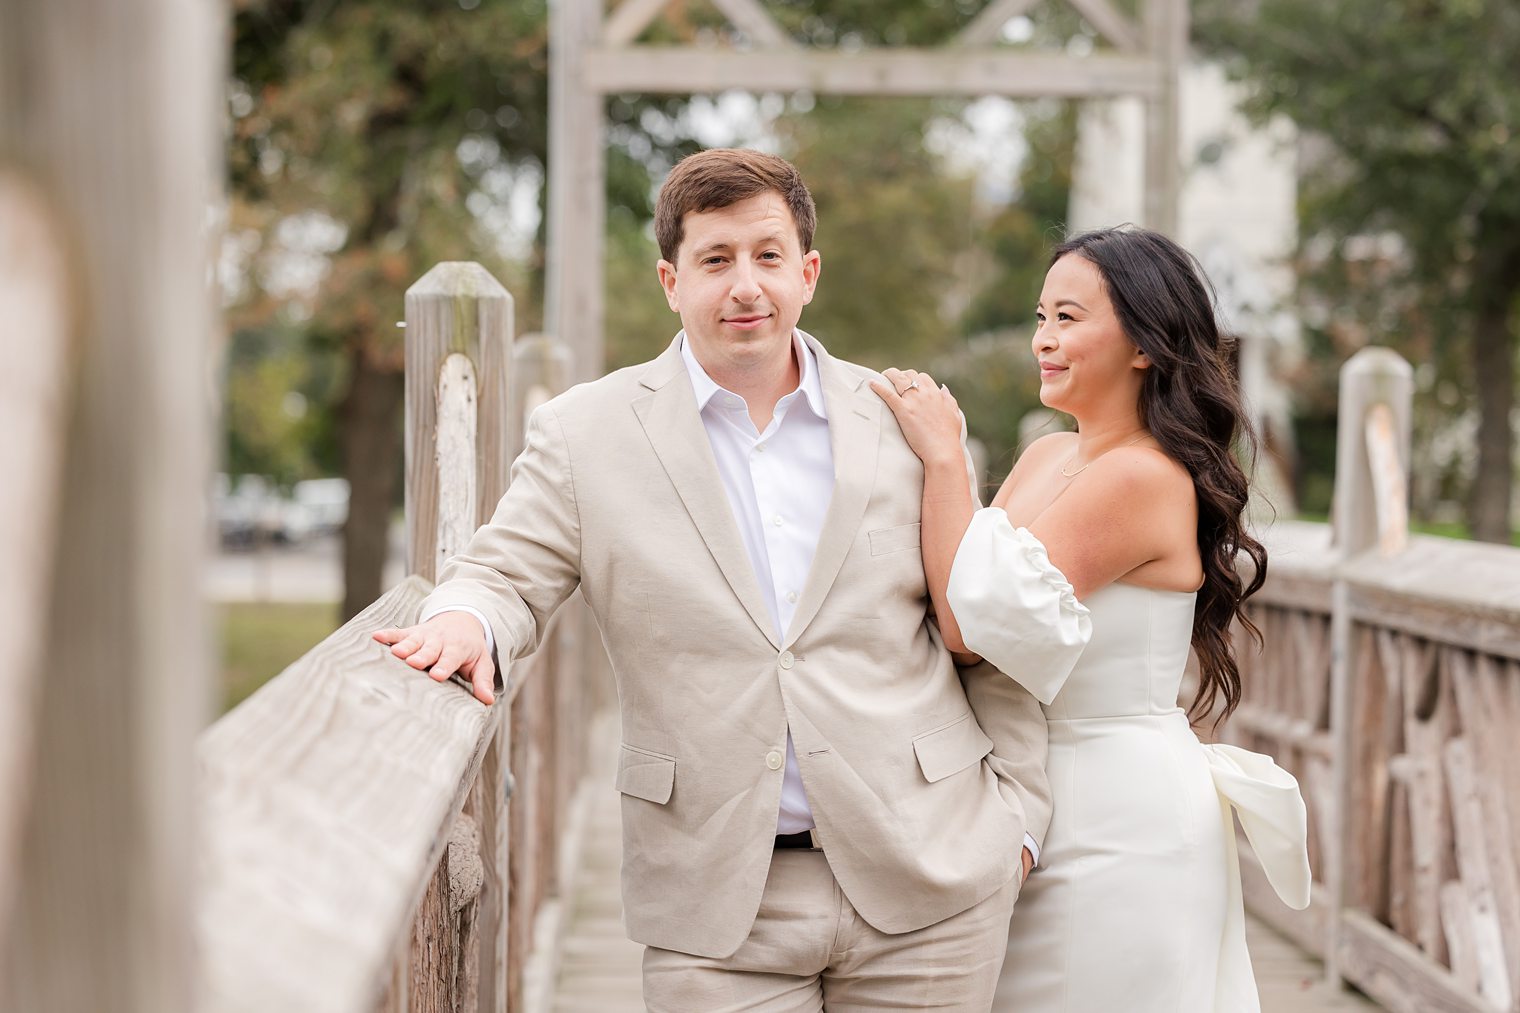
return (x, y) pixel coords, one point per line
(779, 483)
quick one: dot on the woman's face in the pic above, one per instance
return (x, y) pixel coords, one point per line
(1086, 361)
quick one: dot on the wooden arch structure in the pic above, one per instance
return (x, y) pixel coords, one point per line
(595, 54)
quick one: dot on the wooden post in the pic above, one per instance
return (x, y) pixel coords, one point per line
(458, 450)
(1373, 378)
(577, 187)
(1166, 34)
(456, 308)
(542, 368)
(35, 343)
(112, 108)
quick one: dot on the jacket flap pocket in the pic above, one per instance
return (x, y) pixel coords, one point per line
(646, 775)
(952, 748)
(904, 536)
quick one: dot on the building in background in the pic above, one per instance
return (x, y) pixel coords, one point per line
(1237, 213)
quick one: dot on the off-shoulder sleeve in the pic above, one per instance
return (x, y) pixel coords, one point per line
(1013, 606)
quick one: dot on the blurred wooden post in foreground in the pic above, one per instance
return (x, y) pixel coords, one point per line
(110, 137)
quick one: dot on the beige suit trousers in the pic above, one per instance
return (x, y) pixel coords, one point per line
(809, 951)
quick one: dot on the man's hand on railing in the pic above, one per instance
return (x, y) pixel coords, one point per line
(447, 643)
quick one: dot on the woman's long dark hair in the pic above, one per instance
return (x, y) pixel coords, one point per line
(1190, 401)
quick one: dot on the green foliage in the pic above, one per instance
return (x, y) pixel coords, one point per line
(1410, 209)
(1021, 235)
(891, 226)
(639, 323)
(399, 126)
(1419, 98)
(272, 386)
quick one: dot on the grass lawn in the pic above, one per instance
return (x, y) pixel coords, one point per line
(259, 639)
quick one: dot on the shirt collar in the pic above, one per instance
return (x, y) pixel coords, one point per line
(706, 388)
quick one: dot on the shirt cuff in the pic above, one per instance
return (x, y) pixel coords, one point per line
(1034, 849)
(484, 624)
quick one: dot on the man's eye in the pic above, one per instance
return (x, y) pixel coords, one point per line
(713, 260)
(771, 255)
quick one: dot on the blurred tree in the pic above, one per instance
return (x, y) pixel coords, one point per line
(992, 373)
(370, 141)
(1419, 107)
(272, 384)
(361, 137)
(893, 224)
(1021, 234)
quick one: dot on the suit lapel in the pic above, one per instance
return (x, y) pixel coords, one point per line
(667, 410)
(855, 436)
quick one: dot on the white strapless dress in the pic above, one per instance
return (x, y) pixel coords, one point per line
(1136, 905)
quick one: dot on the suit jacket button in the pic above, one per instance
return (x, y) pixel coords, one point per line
(786, 659)
(773, 760)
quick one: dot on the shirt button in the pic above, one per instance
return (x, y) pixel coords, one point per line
(776, 520)
(786, 659)
(759, 448)
(773, 760)
(791, 596)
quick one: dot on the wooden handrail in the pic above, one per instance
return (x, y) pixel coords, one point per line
(323, 798)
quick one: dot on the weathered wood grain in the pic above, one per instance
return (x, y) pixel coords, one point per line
(1475, 865)
(35, 342)
(1490, 726)
(456, 308)
(327, 801)
(898, 71)
(1443, 589)
(1394, 972)
(1111, 23)
(987, 27)
(112, 109)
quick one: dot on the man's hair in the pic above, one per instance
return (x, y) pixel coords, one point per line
(721, 177)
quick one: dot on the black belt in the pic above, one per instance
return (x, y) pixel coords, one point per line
(805, 840)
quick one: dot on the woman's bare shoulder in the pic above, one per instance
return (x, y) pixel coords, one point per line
(1047, 446)
(1145, 472)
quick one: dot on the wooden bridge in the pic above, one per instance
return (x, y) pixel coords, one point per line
(375, 841)
(355, 838)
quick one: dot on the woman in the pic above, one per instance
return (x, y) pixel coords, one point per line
(1105, 557)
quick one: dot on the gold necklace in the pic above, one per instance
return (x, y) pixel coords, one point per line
(1089, 464)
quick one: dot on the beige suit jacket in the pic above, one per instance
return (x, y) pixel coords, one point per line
(921, 805)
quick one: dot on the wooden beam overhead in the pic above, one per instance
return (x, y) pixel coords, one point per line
(1111, 23)
(896, 72)
(987, 27)
(629, 20)
(755, 21)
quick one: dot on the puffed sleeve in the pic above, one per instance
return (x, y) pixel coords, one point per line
(1013, 606)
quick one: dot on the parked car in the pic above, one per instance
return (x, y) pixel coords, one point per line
(253, 512)
(324, 502)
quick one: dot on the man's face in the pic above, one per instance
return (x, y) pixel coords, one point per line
(739, 283)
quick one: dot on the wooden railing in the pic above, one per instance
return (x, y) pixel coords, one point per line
(372, 840)
(1390, 685)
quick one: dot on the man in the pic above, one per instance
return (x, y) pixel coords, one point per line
(812, 815)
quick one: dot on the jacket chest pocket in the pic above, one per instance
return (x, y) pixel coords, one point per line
(646, 775)
(951, 749)
(904, 536)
